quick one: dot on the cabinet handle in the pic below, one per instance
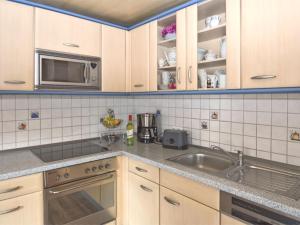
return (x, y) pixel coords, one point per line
(10, 210)
(141, 170)
(263, 77)
(138, 85)
(11, 190)
(171, 201)
(71, 45)
(178, 75)
(190, 74)
(145, 188)
(14, 82)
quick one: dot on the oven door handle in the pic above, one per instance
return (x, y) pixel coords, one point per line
(83, 185)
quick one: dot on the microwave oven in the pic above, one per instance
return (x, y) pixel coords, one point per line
(54, 70)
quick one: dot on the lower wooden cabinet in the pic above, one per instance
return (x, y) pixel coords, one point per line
(23, 210)
(226, 220)
(143, 201)
(176, 209)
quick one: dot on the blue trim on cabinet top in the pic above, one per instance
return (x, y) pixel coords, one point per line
(155, 17)
(195, 92)
(51, 8)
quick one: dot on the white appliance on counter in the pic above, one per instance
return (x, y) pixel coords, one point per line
(55, 70)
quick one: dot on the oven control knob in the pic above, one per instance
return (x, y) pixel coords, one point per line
(66, 175)
(100, 167)
(107, 166)
(94, 169)
(58, 177)
(87, 170)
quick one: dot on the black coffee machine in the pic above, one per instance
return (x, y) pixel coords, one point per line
(147, 127)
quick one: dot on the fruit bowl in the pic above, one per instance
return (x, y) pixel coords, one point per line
(109, 121)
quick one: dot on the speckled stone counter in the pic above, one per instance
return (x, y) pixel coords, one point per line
(22, 162)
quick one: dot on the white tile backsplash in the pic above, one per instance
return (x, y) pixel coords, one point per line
(260, 125)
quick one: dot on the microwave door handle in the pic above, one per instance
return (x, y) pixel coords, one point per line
(85, 72)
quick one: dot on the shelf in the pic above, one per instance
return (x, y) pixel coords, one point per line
(210, 63)
(211, 7)
(167, 68)
(168, 43)
(212, 33)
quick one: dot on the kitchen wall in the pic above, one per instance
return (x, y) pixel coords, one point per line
(59, 118)
(260, 125)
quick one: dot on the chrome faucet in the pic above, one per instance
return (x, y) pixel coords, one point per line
(239, 160)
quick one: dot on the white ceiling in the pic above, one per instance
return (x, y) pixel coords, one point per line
(122, 12)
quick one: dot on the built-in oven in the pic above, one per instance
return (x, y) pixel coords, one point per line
(252, 213)
(54, 70)
(88, 201)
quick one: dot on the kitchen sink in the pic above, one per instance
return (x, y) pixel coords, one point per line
(203, 162)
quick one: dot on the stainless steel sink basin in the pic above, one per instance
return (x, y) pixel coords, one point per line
(203, 162)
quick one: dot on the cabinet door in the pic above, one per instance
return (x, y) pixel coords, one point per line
(226, 220)
(270, 48)
(23, 210)
(175, 209)
(113, 59)
(140, 42)
(16, 46)
(143, 201)
(59, 32)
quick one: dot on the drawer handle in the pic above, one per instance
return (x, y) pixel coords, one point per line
(171, 201)
(141, 170)
(11, 190)
(10, 210)
(71, 45)
(263, 77)
(145, 188)
(14, 82)
(138, 85)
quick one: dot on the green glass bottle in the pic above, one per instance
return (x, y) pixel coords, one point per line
(129, 131)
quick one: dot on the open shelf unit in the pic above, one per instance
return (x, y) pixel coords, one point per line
(166, 73)
(213, 39)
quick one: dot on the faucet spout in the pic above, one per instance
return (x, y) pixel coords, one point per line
(239, 160)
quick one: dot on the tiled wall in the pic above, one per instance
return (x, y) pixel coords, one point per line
(260, 125)
(61, 118)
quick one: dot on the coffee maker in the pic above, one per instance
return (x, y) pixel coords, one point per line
(147, 127)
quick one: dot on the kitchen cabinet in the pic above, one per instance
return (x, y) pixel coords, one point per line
(140, 50)
(144, 170)
(143, 201)
(226, 220)
(64, 33)
(19, 196)
(176, 209)
(113, 59)
(16, 46)
(270, 43)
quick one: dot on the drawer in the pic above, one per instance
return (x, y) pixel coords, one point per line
(194, 190)
(23, 210)
(144, 170)
(21, 186)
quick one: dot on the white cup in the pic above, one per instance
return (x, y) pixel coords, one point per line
(203, 78)
(212, 21)
(165, 78)
(210, 55)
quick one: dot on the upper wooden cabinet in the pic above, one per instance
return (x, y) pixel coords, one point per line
(59, 32)
(16, 46)
(270, 43)
(140, 53)
(113, 59)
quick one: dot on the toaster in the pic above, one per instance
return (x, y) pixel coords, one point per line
(175, 139)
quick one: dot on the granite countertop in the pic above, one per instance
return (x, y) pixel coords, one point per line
(15, 163)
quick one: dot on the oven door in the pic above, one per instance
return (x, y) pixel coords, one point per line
(90, 201)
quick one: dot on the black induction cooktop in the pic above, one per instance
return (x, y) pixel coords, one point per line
(66, 150)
